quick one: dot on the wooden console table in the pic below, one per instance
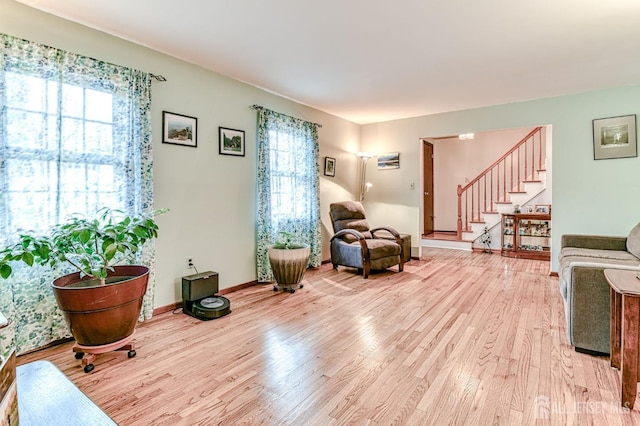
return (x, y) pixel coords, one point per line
(625, 326)
(47, 397)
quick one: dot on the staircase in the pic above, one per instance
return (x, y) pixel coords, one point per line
(517, 177)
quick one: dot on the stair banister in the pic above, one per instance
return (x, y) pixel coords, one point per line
(473, 211)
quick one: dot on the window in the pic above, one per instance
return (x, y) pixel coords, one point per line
(288, 185)
(60, 155)
(288, 175)
(75, 136)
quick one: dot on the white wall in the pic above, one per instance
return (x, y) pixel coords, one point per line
(588, 196)
(211, 197)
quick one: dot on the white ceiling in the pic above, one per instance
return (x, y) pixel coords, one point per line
(375, 60)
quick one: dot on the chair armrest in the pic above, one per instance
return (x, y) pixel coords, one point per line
(397, 238)
(343, 232)
(389, 229)
(364, 249)
(598, 242)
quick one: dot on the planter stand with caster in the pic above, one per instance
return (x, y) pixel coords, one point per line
(92, 352)
(287, 287)
(288, 267)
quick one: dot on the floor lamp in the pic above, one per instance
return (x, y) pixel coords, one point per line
(364, 185)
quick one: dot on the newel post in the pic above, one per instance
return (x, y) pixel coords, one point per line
(459, 211)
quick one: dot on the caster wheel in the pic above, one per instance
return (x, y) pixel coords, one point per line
(301, 285)
(275, 288)
(293, 290)
(89, 368)
(79, 355)
(131, 353)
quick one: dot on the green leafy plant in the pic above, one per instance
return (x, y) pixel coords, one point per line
(92, 246)
(286, 241)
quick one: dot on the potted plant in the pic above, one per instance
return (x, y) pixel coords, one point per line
(289, 260)
(100, 302)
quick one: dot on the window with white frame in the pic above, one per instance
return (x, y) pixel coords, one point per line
(60, 156)
(75, 136)
(287, 185)
(288, 172)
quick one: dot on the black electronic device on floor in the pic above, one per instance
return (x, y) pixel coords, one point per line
(199, 297)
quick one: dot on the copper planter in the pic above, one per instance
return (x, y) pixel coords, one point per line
(102, 314)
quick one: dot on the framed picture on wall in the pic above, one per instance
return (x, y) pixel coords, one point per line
(389, 161)
(329, 166)
(179, 129)
(231, 141)
(614, 137)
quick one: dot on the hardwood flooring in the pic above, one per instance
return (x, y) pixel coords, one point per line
(458, 338)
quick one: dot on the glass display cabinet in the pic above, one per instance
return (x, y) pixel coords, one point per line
(526, 235)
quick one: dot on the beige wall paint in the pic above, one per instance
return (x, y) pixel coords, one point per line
(211, 197)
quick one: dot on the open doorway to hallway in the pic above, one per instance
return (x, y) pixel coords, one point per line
(450, 161)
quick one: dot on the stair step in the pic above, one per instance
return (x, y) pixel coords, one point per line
(441, 235)
(517, 192)
(445, 236)
(531, 181)
(449, 244)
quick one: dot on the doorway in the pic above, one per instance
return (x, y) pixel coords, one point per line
(427, 187)
(459, 162)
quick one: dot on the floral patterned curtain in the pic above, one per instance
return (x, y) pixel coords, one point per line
(288, 185)
(75, 136)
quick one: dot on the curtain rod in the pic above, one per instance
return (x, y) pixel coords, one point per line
(158, 77)
(259, 107)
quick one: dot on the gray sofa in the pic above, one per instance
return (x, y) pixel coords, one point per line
(584, 289)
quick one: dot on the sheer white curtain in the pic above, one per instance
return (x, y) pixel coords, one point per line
(74, 137)
(288, 185)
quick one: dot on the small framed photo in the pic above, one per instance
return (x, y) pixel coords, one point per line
(179, 129)
(329, 166)
(231, 141)
(389, 161)
(614, 137)
(542, 208)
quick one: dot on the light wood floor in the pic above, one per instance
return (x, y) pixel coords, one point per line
(458, 338)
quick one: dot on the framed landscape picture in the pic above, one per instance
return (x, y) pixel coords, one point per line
(614, 137)
(231, 141)
(389, 161)
(179, 129)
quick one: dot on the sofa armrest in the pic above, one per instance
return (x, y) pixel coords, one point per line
(587, 305)
(598, 242)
